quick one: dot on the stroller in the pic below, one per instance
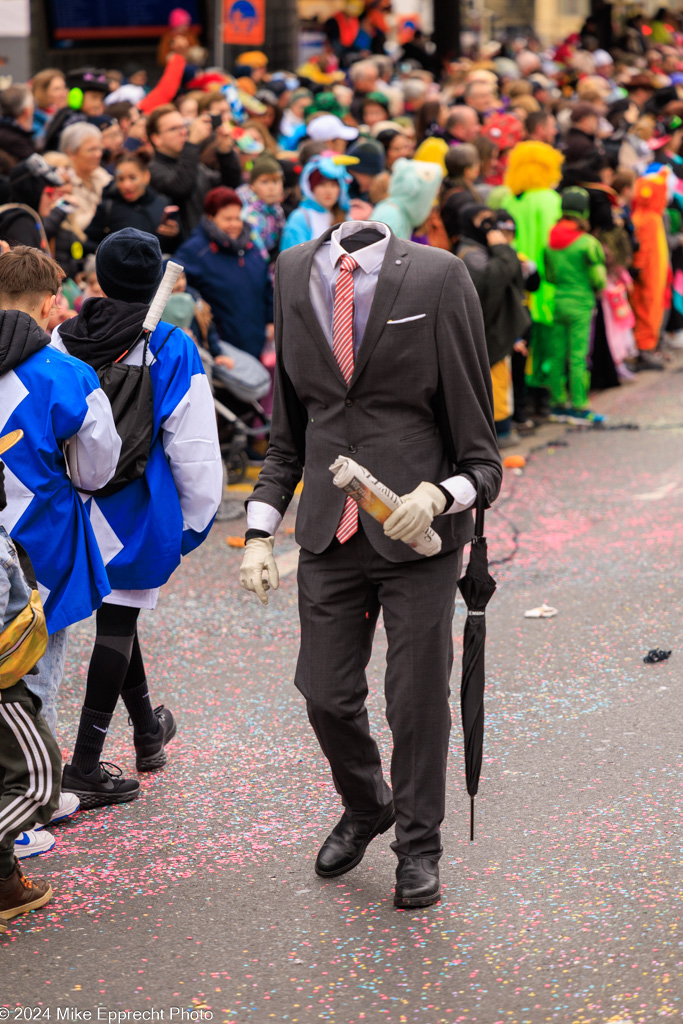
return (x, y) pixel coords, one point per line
(241, 417)
(237, 392)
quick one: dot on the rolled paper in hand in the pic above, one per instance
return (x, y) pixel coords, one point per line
(376, 499)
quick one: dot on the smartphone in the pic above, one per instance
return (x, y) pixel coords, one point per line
(169, 213)
(216, 121)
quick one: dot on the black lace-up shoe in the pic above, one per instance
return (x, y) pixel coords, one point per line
(149, 747)
(103, 786)
(346, 844)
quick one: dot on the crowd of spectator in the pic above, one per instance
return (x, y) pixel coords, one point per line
(553, 173)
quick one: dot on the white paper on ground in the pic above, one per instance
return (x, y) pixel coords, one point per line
(544, 611)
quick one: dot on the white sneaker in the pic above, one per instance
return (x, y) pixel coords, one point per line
(31, 843)
(67, 806)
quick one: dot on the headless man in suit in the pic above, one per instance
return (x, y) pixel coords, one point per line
(380, 354)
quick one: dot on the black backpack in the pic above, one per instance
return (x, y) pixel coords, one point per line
(130, 394)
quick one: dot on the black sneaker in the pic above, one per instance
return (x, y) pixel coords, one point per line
(149, 747)
(101, 787)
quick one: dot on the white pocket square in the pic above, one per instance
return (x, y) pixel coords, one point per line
(407, 319)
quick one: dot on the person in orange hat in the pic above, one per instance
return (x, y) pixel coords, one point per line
(253, 65)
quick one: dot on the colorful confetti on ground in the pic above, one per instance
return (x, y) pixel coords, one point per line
(201, 896)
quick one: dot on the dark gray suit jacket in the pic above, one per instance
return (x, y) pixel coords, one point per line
(418, 406)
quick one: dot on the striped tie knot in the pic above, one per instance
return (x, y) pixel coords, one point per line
(348, 264)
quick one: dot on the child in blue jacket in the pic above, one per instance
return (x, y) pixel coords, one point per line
(146, 527)
(324, 184)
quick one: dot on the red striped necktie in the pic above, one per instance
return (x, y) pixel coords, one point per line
(342, 347)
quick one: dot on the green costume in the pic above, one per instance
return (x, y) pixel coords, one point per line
(535, 214)
(533, 173)
(575, 265)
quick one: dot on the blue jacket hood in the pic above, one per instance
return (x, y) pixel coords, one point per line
(332, 166)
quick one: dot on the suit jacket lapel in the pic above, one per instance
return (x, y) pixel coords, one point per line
(306, 307)
(390, 277)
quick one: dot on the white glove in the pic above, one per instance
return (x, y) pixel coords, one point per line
(258, 559)
(415, 513)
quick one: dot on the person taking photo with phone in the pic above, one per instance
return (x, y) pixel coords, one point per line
(177, 170)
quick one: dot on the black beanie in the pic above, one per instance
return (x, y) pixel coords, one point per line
(129, 265)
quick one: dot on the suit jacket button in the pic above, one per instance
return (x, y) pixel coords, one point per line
(352, 449)
(348, 403)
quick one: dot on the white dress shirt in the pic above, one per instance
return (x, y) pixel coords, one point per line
(324, 274)
(325, 271)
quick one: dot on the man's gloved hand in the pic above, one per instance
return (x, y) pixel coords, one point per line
(258, 558)
(415, 513)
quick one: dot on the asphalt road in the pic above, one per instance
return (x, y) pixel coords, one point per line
(199, 901)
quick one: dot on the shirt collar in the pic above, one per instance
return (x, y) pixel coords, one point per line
(370, 257)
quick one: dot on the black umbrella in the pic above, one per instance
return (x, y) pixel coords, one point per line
(477, 588)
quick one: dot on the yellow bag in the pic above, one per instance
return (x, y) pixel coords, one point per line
(23, 642)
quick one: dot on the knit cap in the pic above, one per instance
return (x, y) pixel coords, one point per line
(129, 265)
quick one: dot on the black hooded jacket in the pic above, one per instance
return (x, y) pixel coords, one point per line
(497, 275)
(20, 337)
(103, 331)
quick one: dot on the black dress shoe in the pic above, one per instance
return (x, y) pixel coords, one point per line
(417, 882)
(347, 842)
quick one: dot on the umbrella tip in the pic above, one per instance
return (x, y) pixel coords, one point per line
(471, 819)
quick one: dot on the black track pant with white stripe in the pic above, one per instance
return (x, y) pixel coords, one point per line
(30, 769)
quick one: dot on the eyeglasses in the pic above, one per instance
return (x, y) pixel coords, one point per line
(175, 128)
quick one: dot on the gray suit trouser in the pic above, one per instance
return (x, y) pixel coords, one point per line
(340, 595)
